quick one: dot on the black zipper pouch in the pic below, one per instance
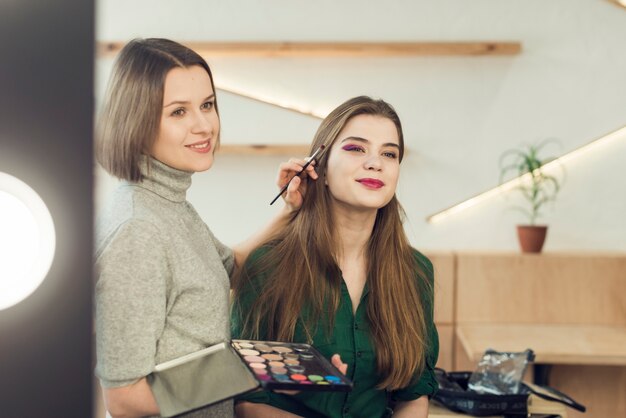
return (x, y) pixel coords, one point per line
(453, 394)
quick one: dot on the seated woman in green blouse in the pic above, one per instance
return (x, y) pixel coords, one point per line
(343, 277)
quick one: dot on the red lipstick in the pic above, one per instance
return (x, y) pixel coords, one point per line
(371, 183)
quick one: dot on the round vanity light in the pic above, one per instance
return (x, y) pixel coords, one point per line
(27, 240)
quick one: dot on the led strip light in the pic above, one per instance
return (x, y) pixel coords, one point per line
(511, 184)
(273, 102)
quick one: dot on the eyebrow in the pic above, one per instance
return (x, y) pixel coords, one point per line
(359, 139)
(179, 102)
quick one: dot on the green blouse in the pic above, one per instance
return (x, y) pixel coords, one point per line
(350, 338)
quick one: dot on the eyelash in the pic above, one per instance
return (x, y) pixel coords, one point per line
(205, 106)
(209, 105)
(353, 148)
(388, 154)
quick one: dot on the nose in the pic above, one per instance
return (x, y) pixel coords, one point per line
(201, 124)
(373, 162)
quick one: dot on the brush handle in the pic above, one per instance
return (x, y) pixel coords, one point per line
(309, 160)
(284, 189)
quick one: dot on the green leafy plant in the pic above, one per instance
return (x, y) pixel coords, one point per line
(540, 187)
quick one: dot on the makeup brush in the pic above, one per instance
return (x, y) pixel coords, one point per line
(309, 160)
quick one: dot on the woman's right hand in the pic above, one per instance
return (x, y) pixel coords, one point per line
(294, 197)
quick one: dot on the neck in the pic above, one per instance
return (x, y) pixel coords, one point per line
(353, 230)
(167, 182)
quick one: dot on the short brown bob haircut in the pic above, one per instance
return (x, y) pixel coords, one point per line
(130, 118)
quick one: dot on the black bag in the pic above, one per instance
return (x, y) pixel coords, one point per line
(453, 394)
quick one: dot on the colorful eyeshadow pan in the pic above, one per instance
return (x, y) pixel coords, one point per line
(296, 369)
(276, 364)
(290, 366)
(257, 365)
(248, 352)
(281, 349)
(263, 348)
(272, 357)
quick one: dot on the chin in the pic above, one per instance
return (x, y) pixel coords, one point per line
(367, 207)
(202, 166)
(377, 204)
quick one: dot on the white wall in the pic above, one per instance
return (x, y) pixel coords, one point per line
(459, 114)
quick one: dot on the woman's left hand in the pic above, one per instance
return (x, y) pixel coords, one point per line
(340, 365)
(294, 197)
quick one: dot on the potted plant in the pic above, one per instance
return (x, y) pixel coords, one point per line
(537, 187)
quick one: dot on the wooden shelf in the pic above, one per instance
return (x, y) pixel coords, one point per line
(288, 150)
(339, 49)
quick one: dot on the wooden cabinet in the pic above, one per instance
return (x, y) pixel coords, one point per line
(569, 307)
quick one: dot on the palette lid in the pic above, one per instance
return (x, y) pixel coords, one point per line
(200, 379)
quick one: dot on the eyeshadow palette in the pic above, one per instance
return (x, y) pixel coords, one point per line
(290, 366)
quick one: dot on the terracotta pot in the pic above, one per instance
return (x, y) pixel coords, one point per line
(531, 237)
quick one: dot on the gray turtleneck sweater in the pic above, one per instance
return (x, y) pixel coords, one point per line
(162, 281)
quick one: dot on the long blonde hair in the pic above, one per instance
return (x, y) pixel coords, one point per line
(302, 270)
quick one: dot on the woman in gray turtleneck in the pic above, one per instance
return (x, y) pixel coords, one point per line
(162, 277)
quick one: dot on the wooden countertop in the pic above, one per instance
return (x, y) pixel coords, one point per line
(552, 344)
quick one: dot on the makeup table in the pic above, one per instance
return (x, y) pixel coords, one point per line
(553, 344)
